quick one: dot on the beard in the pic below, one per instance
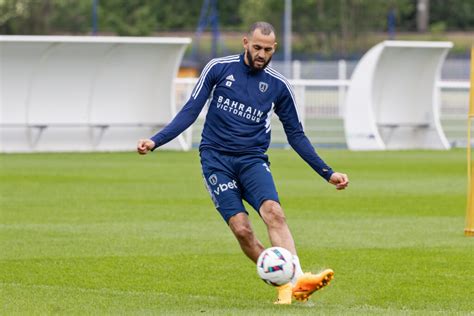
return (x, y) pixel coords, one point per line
(252, 61)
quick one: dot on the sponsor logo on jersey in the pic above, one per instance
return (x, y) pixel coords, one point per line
(263, 86)
(222, 187)
(239, 109)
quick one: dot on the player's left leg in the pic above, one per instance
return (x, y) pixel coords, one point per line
(259, 190)
(303, 284)
(309, 283)
(278, 230)
(280, 236)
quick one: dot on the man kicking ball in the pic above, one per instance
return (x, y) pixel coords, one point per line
(245, 93)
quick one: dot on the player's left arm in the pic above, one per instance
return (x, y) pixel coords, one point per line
(340, 180)
(288, 115)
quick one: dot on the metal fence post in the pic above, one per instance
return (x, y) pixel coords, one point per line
(341, 95)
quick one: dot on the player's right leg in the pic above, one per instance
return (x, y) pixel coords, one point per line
(242, 229)
(225, 191)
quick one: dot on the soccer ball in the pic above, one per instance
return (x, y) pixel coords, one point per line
(275, 266)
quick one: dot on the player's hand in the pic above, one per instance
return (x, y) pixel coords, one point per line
(144, 146)
(340, 180)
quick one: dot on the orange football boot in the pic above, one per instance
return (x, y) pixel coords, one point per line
(309, 283)
(285, 294)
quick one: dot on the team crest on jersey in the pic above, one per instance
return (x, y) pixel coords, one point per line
(213, 179)
(263, 86)
(230, 79)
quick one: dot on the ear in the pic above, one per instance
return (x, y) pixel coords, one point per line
(275, 46)
(245, 42)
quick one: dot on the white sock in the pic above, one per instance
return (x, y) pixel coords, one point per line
(298, 270)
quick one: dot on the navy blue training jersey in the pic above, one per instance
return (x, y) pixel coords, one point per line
(240, 110)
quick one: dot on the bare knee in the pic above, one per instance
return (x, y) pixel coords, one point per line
(243, 233)
(272, 213)
(242, 230)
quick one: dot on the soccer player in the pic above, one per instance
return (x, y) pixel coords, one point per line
(245, 92)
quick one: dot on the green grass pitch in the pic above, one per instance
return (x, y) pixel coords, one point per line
(119, 233)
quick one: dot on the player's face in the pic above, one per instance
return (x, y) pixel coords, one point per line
(259, 49)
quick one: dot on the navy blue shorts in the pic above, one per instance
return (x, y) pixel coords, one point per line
(231, 179)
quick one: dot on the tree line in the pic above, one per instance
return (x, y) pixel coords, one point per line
(329, 22)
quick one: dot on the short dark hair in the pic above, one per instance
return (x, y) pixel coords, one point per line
(265, 27)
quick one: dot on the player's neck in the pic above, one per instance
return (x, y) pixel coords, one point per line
(246, 60)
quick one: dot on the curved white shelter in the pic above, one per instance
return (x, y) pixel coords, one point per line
(393, 101)
(67, 93)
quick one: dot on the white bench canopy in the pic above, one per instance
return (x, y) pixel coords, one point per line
(78, 93)
(393, 101)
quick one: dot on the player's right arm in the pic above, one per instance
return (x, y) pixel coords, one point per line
(187, 115)
(144, 146)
